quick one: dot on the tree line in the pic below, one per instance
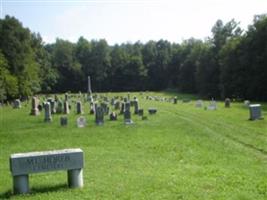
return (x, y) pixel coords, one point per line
(231, 63)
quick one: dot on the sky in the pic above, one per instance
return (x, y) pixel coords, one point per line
(120, 21)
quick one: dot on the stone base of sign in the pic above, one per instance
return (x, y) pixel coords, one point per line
(75, 178)
(21, 184)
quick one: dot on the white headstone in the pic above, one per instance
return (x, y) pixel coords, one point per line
(81, 122)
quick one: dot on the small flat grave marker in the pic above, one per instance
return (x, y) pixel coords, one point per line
(81, 122)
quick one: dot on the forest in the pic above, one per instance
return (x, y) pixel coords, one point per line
(230, 63)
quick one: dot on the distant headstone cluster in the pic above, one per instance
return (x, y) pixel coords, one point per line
(98, 105)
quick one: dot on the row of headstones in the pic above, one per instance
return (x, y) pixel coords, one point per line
(99, 117)
(99, 111)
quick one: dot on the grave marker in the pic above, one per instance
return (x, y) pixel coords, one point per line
(23, 164)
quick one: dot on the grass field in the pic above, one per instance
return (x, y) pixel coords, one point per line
(182, 152)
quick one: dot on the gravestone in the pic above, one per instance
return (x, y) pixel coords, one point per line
(246, 103)
(152, 111)
(122, 108)
(175, 100)
(63, 121)
(105, 108)
(17, 104)
(112, 102)
(81, 122)
(113, 116)
(199, 104)
(117, 105)
(127, 117)
(40, 107)
(141, 112)
(59, 108)
(23, 164)
(47, 109)
(35, 110)
(53, 107)
(227, 103)
(127, 106)
(255, 111)
(135, 104)
(212, 106)
(66, 107)
(79, 107)
(99, 115)
(66, 97)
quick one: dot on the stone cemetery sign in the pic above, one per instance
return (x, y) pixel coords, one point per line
(255, 111)
(81, 122)
(23, 164)
(35, 110)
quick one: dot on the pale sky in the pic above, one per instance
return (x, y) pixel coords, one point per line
(121, 21)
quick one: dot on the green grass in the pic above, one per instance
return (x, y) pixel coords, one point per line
(182, 152)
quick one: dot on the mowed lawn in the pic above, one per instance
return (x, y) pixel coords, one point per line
(182, 152)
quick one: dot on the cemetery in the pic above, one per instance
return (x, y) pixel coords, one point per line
(178, 147)
(133, 99)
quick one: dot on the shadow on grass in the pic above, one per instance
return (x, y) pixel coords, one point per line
(56, 188)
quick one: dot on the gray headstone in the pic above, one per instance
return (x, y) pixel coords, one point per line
(199, 104)
(227, 103)
(246, 103)
(117, 105)
(99, 116)
(53, 107)
(59, 108)
(127, 106)
(212, 106)
(175, 100)
(141, 112)
(79, 107)
(66, 97)
(136, 107)
(63, 121)
(81, 122)
(35, 103)
(66, 107)
(122, 108)
(152, 111)
(47, 109)
(127, 117)
(255, 111)
(17, 104)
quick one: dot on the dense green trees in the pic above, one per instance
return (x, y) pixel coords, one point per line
(232, 63)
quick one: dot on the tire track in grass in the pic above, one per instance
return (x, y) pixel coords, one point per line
(199, 122)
